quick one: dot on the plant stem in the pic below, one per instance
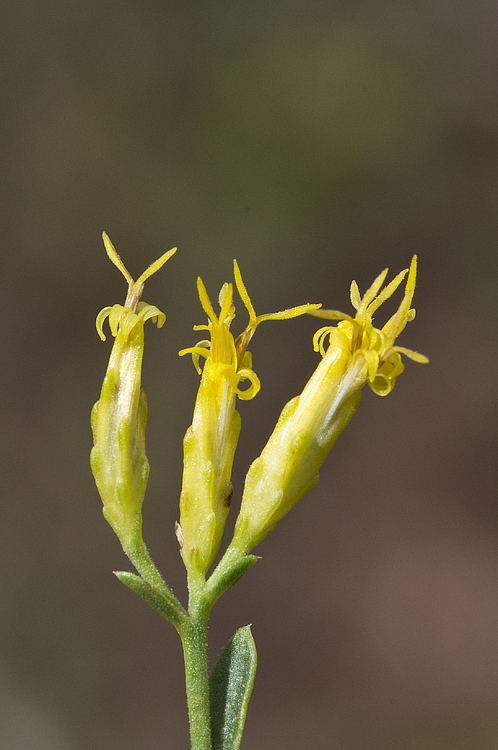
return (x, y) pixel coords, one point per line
(139, 556)
(194, 640)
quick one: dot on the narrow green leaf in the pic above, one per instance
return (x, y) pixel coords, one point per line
(230, 688)
(165, 603)
(221, 580)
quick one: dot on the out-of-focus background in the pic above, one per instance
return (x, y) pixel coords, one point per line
(316, 142)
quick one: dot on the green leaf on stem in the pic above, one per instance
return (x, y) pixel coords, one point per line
(163, 602)
(225, 576)
(230, 688)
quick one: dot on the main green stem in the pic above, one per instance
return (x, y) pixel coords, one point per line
(192, 628)
(194, 641)
(191, 625)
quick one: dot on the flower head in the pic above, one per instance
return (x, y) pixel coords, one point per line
(210, 442)
(357, 353)
(118, 459)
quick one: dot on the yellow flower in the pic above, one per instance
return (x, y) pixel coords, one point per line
(369, 346)
(118, 459)
(357, 353)
(210, 442)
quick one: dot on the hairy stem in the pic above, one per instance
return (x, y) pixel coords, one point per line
(194, 640)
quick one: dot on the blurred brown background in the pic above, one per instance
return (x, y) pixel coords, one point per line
(317, 142)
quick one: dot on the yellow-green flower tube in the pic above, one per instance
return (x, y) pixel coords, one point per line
(357, 353)
(211, 440)
(118, 459)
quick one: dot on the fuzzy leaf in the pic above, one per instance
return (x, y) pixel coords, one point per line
(231, 684)
(217, 585)
(163, 602)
